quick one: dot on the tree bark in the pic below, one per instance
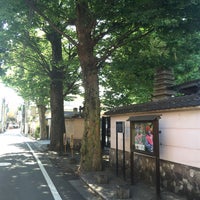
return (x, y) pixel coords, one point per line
(91, 159)
(43, 131)
(56, 93)
(57, 114)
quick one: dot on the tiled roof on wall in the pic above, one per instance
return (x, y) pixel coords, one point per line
(170, 103)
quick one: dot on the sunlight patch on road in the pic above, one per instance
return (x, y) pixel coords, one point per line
(4, 164)
(30, 163)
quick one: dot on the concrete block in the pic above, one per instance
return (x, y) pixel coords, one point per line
(102, 179)
(123, 192)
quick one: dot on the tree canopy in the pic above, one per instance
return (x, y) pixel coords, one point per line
(43, 64)
(173, 43)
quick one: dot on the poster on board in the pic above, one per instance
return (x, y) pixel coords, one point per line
(143, 137)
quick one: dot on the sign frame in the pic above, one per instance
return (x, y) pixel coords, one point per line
(153, 122)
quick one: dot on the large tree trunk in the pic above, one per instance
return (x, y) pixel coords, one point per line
(43, 131)
(91, 148)
(57, 115)
(91, 159)
(56, 93)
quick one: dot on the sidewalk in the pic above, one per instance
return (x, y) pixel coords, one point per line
(105, 183)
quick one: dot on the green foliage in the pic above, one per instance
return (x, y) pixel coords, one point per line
(188, 70)
(126, 86)
(132, 68)
(37, 132)
(173, 43)
(25, 74)
(27, 59)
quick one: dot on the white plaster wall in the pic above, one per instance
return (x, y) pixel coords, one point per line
(179, 137)
(120, 135)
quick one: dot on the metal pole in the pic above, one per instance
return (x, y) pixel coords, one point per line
(157, 153)
(116, 153)
(124, 170)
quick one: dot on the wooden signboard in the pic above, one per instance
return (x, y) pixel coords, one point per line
(145, 140)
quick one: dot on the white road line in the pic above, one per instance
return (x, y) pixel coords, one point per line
(46, 176)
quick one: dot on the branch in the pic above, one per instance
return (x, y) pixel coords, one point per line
(31, 4)
(122, 40)
(70, 52)
(35, 60)
(70, 87)
(34, 47)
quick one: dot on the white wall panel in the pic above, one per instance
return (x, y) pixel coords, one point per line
(179, 137)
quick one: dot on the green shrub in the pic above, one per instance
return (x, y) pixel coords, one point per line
(37, 132)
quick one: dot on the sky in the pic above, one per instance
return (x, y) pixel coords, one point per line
(11, 97)
(14, 101)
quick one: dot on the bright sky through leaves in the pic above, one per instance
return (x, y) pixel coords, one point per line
(11, 97)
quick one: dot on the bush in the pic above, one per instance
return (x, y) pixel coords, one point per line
(37, 133)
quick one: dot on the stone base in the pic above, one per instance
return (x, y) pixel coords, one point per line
(102, 179)
(174, 177)
(72, 161)
(123, 192)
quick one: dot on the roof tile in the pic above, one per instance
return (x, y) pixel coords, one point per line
(170, 103)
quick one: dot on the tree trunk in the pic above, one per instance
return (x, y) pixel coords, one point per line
(56, 93)
(43, 131)
(91, 159)
(57, 115)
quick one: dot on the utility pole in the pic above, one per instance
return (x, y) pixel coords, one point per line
(3, 115)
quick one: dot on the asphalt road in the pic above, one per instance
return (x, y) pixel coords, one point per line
(26, 173)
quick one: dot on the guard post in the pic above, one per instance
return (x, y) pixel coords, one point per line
(64, 141)
(72, 145)
(120, 128)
